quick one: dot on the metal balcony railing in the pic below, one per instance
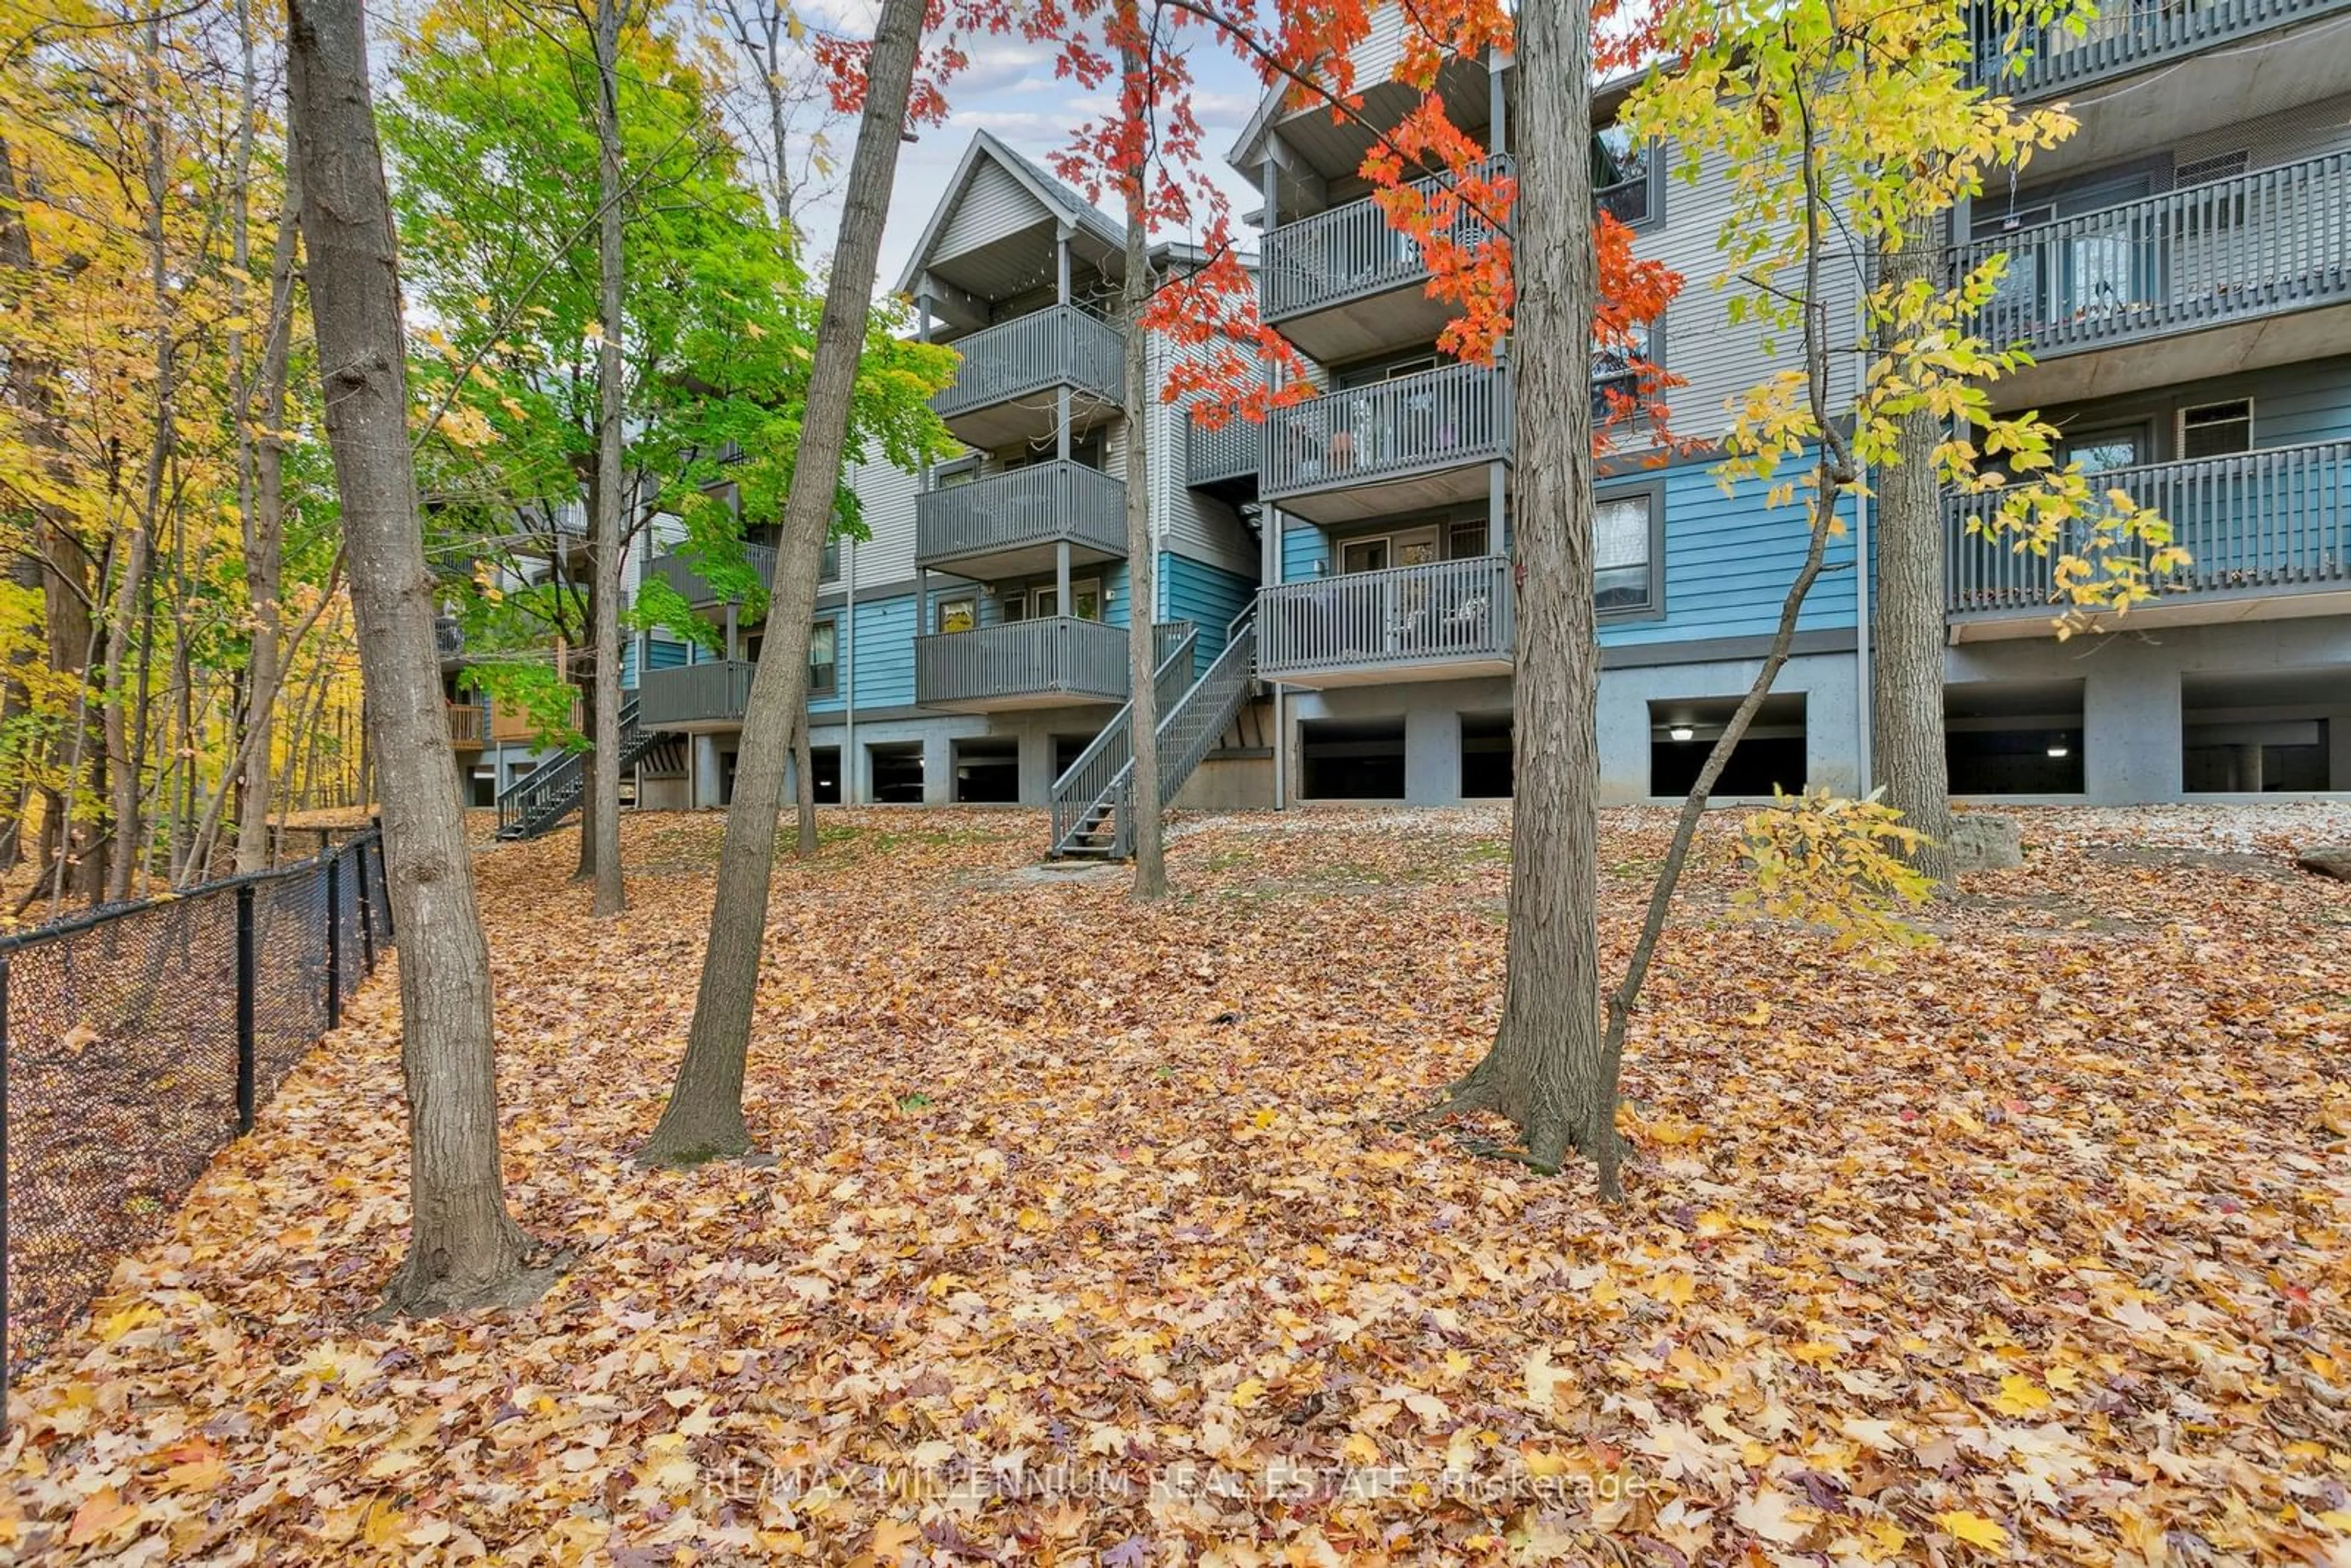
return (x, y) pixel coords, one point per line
(2255, 523)
(1041, 504)
(1434, 420)
(1350, 253)
(714, 691)
(2259, 243)
(1057, 346)
(2127, 35)
(1231, 451)
(1443, 611)
(680, 571)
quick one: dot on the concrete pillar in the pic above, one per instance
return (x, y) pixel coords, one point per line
(938, 769)
(1432, 754)
(706, 771)
(1036, 767)
(2130, 731)
(2245, 769)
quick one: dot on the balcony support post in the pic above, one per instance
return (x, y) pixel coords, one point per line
(1062, 577)
(1498, 508)
(1497, 115)
(1061, 423)
(1061, 264)
(734, 633)
(922, 601)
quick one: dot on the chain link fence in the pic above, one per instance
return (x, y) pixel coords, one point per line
(137, 1040)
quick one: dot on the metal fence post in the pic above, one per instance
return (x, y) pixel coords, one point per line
(366, 911)
(244, 987)
(334, 940)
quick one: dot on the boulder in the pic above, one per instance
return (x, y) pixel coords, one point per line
(1981, 843)
(2326, 860)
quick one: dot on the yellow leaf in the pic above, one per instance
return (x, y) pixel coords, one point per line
(139, 1314)
(1248, 1392)
(2019, 1395)
(1265, 1118)
(1974, 1528)
(1675, 1288)
(2337, 1519)
(384, 1525)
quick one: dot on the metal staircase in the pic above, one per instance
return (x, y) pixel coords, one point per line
(1093, 802)
(541, 799)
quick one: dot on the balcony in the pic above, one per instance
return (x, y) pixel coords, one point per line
(514, 726)
(1313, 270)
(1447, 619)
(1421, 440)
(690, 697)
(2126, 36)
(680, 571)
(1000, 391)
(466, 725)
(2268, 535)
(1055, 662)
(2202, 281)
(1225, 458)
(1007, 524)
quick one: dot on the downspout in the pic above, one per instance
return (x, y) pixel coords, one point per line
(849, 686)
(1864, 686)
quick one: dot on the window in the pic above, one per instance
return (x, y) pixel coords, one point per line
(1624, 534)
(2103, 451)
(1623, 171)
(832, 569)
(1044, 602)
(2217, 429)
(1617, 369)
(824, 667)
(963, 471)
(958, 615)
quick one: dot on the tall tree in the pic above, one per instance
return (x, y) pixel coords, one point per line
(464, 1250)
(606, 536)
(703, 1118)
(1142, 645)
(1545, 1070)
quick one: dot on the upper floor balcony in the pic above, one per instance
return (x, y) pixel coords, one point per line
(1316, 275)
(2268, 535)
(1413, 441)
(1004, 525)
(683, 572)
(466, 724)
(1054, 661)
(2126, 37)
(708, 696)
(1446, 620)
(2230, 274)
(1007, 387)
(1225, 457)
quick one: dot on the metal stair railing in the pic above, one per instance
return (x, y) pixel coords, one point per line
(1087, 785)
(1188, 731)
(546, 794)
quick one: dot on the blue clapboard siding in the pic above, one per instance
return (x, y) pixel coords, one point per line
(1305, 552)
(884, 650)
(664, 655)
(1208, 596)
(2293, 404)
(1729, 560)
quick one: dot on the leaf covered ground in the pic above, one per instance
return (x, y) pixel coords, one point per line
(1095, 1235)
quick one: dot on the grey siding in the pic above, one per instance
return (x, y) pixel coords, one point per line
(992, 205)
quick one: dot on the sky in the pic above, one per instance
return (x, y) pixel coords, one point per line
(1009, 90)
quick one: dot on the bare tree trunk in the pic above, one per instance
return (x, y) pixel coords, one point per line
(463, 1249)
(265, 540)
(803, 782)
(704, 1118)
(1906, 683)
(585, 870)
(1546, 1071)
(1142, 575)
(602, 798)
